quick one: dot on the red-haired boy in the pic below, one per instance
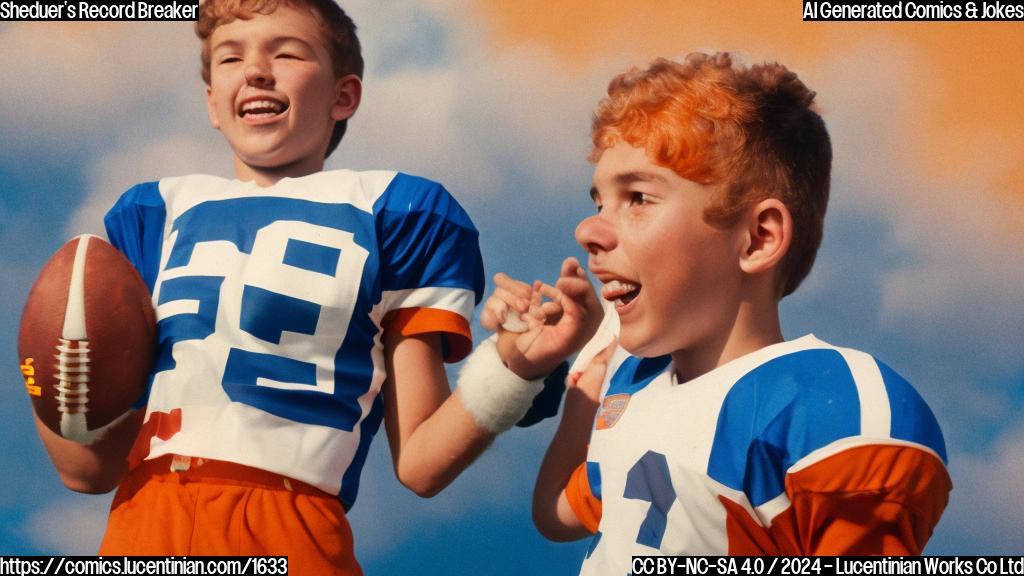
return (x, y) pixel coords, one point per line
(711, 434)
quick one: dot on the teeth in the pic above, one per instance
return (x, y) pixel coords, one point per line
(620, 292)
(262, 107)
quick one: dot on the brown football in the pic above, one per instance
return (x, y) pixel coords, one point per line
(87, 338)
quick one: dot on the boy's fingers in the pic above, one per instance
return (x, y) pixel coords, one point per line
(574, 286)
(517, 287)
(575, 295)
(512, 298)
(535, 293)
(569, 267)
(551, 292)
(551, 309)
(565, 304)
(494, 313)
(592, 377)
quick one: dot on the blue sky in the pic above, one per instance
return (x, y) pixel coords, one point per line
(920, 266)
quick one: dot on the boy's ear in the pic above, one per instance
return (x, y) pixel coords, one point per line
(211, 109)
(348, 95)
(768, 233)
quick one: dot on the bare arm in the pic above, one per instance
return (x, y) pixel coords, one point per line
(432, 436)
(555, 329)
(552, 514)
(95, 468)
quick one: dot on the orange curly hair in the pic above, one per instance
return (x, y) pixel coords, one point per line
(753, 133)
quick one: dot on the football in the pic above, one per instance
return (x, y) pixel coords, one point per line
(87, 339)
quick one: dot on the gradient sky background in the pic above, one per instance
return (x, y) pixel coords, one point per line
(921, 264)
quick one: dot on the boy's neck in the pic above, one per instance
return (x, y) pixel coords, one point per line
(265, 177)
(755, 327)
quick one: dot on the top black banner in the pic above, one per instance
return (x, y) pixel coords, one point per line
(96, 10)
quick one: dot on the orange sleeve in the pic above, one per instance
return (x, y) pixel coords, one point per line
(869, 500)
(581, 499)
(454, 328)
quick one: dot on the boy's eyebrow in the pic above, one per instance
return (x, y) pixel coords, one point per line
(628, 178)
(225, 44)
(273, 43)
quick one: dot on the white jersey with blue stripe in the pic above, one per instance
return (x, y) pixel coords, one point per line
(673, 465)
(270, 304)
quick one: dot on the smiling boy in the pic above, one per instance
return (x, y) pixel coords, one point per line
(296, 308)
(709, 433)
(272, 109)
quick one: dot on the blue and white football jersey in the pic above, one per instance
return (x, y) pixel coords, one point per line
(798, 448)
(271, 304)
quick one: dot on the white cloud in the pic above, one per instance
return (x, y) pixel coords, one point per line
(956, 287)
(114, 172)
(386, 513)
(71, 526)
(90, 84)
(411, 121)
(476, 118)
(983, 516)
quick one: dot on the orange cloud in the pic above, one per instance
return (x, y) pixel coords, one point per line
(966, 80)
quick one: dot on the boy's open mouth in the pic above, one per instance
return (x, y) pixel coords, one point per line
(261, 108)
(619, 292)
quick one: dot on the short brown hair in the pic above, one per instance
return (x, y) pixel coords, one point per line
(753, 133)
(339, 31)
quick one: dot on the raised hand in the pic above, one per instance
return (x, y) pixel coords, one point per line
(553, 321)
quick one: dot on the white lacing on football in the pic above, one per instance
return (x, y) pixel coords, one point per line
(73, 354)
(73, 388)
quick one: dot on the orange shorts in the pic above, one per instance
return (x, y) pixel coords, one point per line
(222, 509)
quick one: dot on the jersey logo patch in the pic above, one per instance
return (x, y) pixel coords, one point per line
(611, 410)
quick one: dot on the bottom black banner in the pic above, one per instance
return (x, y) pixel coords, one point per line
(816, 565)
(155, 565)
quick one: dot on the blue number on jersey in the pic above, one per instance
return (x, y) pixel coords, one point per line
(307, 269)
(649, 480)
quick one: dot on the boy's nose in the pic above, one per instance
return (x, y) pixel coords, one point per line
(259, 74)
(595, 234)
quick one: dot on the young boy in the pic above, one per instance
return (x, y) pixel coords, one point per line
(711, 434)
(297, 309)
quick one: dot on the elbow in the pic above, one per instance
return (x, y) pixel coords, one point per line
(95, 468)
(557, 532)
(88, 484)
(422, 485)
(554, 524)
(425, 490)
(547, 526)
(91, 476)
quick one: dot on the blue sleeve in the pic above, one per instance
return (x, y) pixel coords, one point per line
(426, 239)
(912, 419)
(135, 226)
(546, 403)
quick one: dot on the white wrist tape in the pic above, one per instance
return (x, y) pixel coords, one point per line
(495, 396)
